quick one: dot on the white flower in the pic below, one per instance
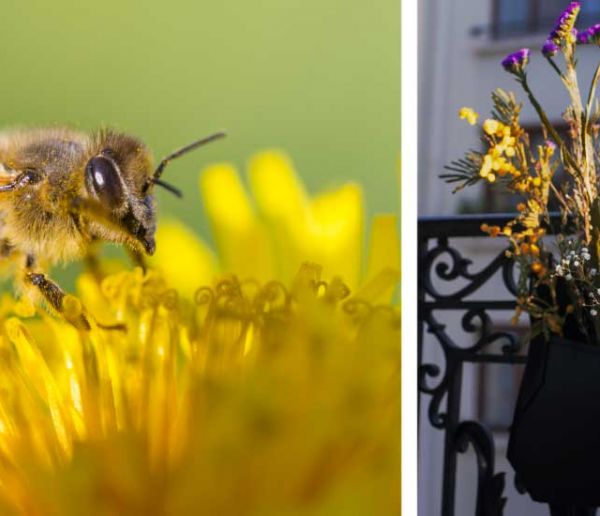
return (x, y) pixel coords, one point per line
(576, 263)
(587, 257)
(559, 270)
(593, 312)
(593, 272)
(568, 277)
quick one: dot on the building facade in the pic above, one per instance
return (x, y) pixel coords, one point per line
(461, 44)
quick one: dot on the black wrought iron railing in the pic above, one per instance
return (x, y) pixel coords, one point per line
(448, 284)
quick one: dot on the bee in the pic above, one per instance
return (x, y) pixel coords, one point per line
(63, 190)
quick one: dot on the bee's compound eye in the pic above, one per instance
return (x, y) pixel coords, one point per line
(105, 182)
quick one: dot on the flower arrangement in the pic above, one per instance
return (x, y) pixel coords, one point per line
(247, 382)
(510, 162)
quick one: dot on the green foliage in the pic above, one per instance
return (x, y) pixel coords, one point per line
(506, 108)
(465, 170)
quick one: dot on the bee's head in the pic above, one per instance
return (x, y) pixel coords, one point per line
(120, 177)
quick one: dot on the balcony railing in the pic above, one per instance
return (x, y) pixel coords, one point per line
(447, 282)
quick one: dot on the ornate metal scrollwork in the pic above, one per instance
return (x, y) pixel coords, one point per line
(453, 352)
(458, 267)
(487, 336)
(490, 486)
(448, 281)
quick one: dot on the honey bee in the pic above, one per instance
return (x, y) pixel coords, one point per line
(62, 190)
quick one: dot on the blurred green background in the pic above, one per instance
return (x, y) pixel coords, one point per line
(317, 78)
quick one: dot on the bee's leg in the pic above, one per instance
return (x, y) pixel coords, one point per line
(137, 258)
(112, 327)
(22, 180)
(96, 210)
(54, 296)
(92, 263)
(52, 293)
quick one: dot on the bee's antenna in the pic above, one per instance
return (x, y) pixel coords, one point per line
(174, 190)
(184, 150)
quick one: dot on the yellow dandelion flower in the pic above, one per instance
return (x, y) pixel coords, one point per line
(468, 114)
(218, 368)
(269, 234)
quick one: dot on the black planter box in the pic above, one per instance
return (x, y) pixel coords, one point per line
(554, 443)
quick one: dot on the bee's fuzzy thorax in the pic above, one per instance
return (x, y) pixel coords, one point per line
(60, 208)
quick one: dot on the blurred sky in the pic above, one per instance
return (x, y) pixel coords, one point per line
(317, 78)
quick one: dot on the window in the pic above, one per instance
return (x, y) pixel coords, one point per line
(514, 18)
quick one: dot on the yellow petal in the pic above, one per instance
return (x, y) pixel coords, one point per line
(336, 233)
(186, 262)
(241, 240)
(282, 202)
(383, 270)
(326, 230)
(36, 374)
(275, 185)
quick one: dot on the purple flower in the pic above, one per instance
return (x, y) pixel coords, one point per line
(583, 38)
(565, 23)
(590, 35)
(516, 62)
(550, 48)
